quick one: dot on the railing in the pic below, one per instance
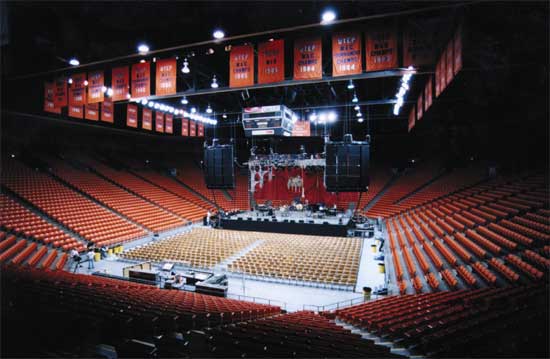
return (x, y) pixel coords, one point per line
(338, 305)
(258, 300)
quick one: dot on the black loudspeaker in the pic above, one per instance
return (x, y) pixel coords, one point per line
(347, 165)
(219, 172)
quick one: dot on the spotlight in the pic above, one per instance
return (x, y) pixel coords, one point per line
(351, 86)
(355, 99)
(193, 110)
(128, 96)
(360, 120)
(224, 115)
(184, 101)
(142, 61)
(328, 17)
(151, 104)
(70, 80)
(171, 110)
(331, 117)
(143, 49)
(294, 118)
(85, 82)
(356, 108)
(74, 62)
(185, 68)
(322, 117)
(144, 102)
(154, 59)
(109, 92)
(218, 34)
(104, 89)
(210, 51)
(313, 117)
(157, 106)
(214, 83)
(209, 109)
(359, 114)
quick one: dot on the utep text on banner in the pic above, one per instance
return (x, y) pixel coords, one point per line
(159, 121)
(147, 119)
(91, 112)
(131, 115)
(48, 98)
(184, 127)
(141, 80)
(381, 47)
(107, 111)
(271, 61)
(120, 83)
(346, 54)
(96, 83)
(241, 66)
(60, 92)
(166, 77)
(77, 90)
(169, 123)
(308, 59)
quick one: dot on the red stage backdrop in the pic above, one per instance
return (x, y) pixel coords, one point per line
(77, 90)
(147, 119)
(121, 83)
(241, 66)
(184, 127)
(192, 128)
(411, 119)
(48, 98)
(168, 123)
(131, 115)
(91, 112)
(76, 111)
(271, 61)
(308, 59)
(107, 111)
(60, 92)
(166, 77)
(200, 129)
(159, 121)
(419, 107)
(381, 48)
(96, 82)
(346, 54)
(141, 80)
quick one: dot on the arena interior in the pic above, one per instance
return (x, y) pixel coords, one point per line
(274, 179)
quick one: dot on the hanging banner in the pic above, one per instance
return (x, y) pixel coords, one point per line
(48, 98)
(308, 59)
(346, 54)
(159, 121)
(107, 110)
(442, 72)
(450, 60)
(271, 61)
(141, 80)
(457, 42)
(131, 115)
(121, 83)
(411, 120)
(96, 83)
(418, 45)
(184, 127)
(428, 94)
(147, 119)
(200, 129)
(381, 48)
(192, 129)
(76, 111)
(91, 111)
(77, 90)
(301, 129)
(60, 92)
(169, 123)
(437, 78)
(419, 107)
(166, 77)
(241, 66)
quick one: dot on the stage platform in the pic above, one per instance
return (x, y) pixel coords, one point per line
(294, 222)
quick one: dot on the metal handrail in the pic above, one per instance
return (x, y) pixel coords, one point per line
(338, 305)
(259, 300)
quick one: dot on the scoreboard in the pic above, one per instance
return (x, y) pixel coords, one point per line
(275, 120)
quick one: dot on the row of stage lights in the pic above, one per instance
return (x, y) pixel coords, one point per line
(403, 89)
(193, 115)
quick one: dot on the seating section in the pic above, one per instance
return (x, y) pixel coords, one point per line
(202, 248)
(476, 237)
(299, 334)
(321, 259)
(84, 217)
(135, 208)
(489, 322)
(23, 222)
(21, 251)
(152, 193)
(379, 178)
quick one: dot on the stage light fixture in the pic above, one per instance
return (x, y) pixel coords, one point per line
(351, 86)
(151, 104)
(218, 34)
(355, 99)
(143, 49)
(328, 17)
(224, 115)
(403, 89)
(70, 80)
(104, 89)
(356, 108)
(193, 110)
(157, 106)
(74, 62)
(128, 96)
(109, 92)
(184, 101)
(85, 82)
(185, 69)
(142, 61)
(313, 117)
(209, 109)
(332, 116)
(144, 102)
(214, 83)
(360, 120)
(294, 118)
(359, 114)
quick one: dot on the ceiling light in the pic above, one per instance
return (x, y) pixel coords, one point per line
(142, 61)
(360, 119)
(331, 117)
(143, 49)
(157, 106)
(74, 62)
(144, 101)
(185, 68)
(359, 114)
(210, 51)
(355, 99)
(70, 80)
(104, 89)
(356, 108)
(184, 101)
(109, 92)
(193, 110)
(351, 86)
(151, 104)
(313, 117)
(154, 59)
(224, 115)
(328, 17)
(218, 34)
(214, 83)
(85, 82)
(209, 109)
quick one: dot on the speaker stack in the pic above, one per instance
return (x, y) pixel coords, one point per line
(347, 165)
(218, 166)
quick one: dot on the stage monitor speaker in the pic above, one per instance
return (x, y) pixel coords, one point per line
(347, 165)
(219, 172)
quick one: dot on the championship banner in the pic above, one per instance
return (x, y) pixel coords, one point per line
(91, 111)
(192, 130)
(131, 115)
(241, 66)
(450, 60)
(168, 123)
(141, 80)
(159, 121)
(457, 42)
(96, 82)
(200, 129)
(428, 94)
(301, 129)
(147, 119)
(346, 54)
(107, 110)
(418, 46)
(60, 92)
(184, 127)
(411, 120)
(166, 77)
(77, 90)
(48, 98)
(308, 59)
(419, 107)
(121, 83)
(271, 61)
(381, 48)
(442, 72)
(437, 78)
(76, 111)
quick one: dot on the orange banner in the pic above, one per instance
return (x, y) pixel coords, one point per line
(166, 77)
(77, 90)
(346, 54)
(457, 42)
(107, 109)
(411, 122)
(241, 66)
(48, 98)
(419, 107)
(91, 111)
(450, 60)
(141, 80)
(301, 129)
(308, 59)
(121, 83)
(381, 48)
(442, 72)
(192, 129)
(184, 127)
(147, 119)
(76, 111)
(200, 129)
(60, 92)
(96, 82)
(159, 121)
(169, 123)
(418, 46)
(428, 94)
(271, 61)
(437, 78)
(131, 115)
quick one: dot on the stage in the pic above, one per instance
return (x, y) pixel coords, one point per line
(293, 222)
